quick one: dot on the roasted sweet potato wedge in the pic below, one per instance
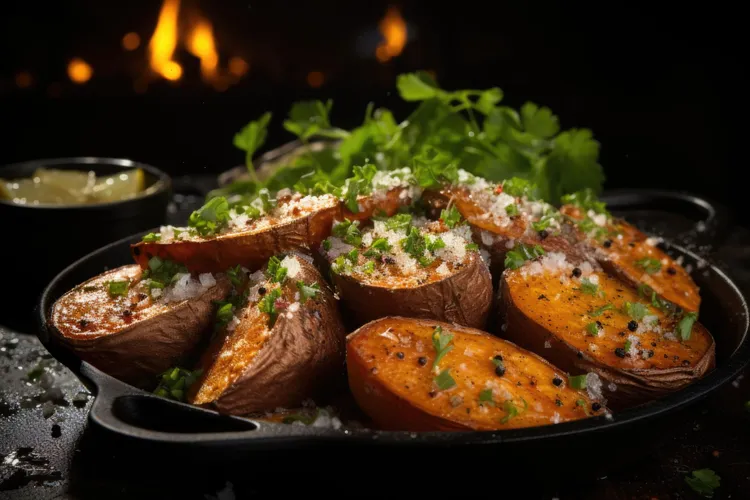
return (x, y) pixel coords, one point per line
(409, 267)
(625, 251)
(298, 222)
(282, 346)
(124, 326)
(584, 320)
(422, 375)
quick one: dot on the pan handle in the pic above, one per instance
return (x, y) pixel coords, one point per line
(133, 413)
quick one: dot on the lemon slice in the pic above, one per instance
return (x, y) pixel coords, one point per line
(72, 180)
(126, 184)
(33, 192)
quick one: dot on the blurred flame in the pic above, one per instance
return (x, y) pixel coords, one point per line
(79, 71)
(393, 29)
(131, 41)
(238, 66)
(201, 44)
(315, 79)
(24, 80)
(164, 40)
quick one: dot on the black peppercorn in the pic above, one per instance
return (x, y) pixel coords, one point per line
(558, 402)
(261, 291)
(127, 313)
(596, 406)
(432, 394)
(576, 272)
(671, 271)
(599, 325)
(620, 352)
(498, 357)
(607, 243)
(632, 325)
(142, 296)
(543, 234)
(400, 355)
(557, 381)
(422, 361)
(390, 260)
(84, 323)
(580, 355)
(500, 370)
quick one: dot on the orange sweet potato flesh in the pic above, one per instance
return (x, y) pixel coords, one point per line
(550, 318)
(620, 256)
(133, 338)
(463, 297)
(386, 206)
(254, 368)
(389, 363)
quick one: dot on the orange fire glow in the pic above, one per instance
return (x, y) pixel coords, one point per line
(238, 66)
(315, 79)
(79, 71)
(164, 41)
(201, 44)
(131, 41)
(24, 80)
(393, 29)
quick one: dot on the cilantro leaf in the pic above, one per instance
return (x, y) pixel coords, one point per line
(539, 121)
(369, 267)
(572, 165)
(444, 380)
(307, 291)
(635, 310)
(348, 231)
(649, 265)
(435, 244)
(117, 288)
(211, 217)
(592, 329)
(586, 200)
(414, 244)
(520, 254)
(224, 313)
(251, 138)
(703, 482)
(309, 118)
(512, 410)
(268, 305)
(516, 186)
(450, 216)
(417, 86)
(378, 247)
(441, 341)
(600, 310)
(274, 271)
(588, 287)
(399, 221)
(485, 398)
(512, 210)
(488, 99)
(685, 326)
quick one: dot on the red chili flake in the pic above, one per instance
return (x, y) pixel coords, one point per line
(281, 304)
(499, 189)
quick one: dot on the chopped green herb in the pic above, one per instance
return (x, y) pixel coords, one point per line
(414, 244)
(352, 256)
(591, 228)
(224, 313)
(307, 291)
(542, 223)
(485, 398)
(600, 310)
(162, 272)
(577, 381)
(378, 247)
(327, 244)
(174, 383)
(472, 247)
(341, 265)
(268, 305)
(435, 244)
(274, 271)
(512, 210)
(399, 221)
(703, 482)
(369, 267)
(685, 326)
(519, 187)
(235, 275)
(628, 345)
(588, 287)
(151, 237)
(117, 288)
(211, 217)
(592, 329)
(635, 310)
(512, 410)
(349, 232)
(649, 265)
(586, 199)
(450, 216)
(441, 341)
(520, 254)
(582, 404)
(444, 380)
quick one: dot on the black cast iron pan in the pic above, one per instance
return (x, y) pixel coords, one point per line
(139, 416)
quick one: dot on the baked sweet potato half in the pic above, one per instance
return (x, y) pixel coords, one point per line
(409, 267)
(134, 324)
(584, 320)
(625, 251)
(280, 343)
(220, 237)
(422, 375)
(504, 214)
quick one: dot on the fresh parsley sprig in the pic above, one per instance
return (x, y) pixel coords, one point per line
(441, 342)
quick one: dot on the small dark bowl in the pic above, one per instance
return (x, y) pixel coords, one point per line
(40, 240)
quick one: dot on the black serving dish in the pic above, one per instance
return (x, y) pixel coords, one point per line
(143, 419)
(43, 239)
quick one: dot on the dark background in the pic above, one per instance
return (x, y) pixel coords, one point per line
(659, 86)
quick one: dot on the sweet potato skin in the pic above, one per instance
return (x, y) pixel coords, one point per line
(619, 256)
(549, 318)
(251, 249)
(389, 364)
(245, 371)
(149, 339)
(464, 297)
